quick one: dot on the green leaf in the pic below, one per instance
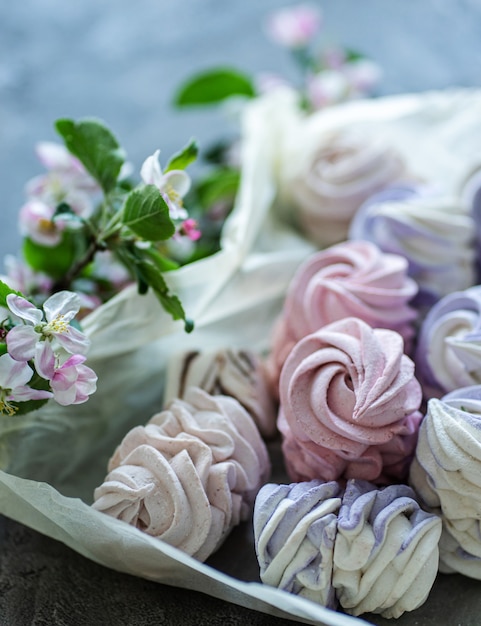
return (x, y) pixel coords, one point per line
(213, 86)
(149, 275)
(54, 261)
(162, 263)
(28, 406)
(218, 152)
(147, 214)
(3, 348)
(170, 302)
(5, 290)
(221, 184)
(185, 157)
(95, 147)
(353, 55)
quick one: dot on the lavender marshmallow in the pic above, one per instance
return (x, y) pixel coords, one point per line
(368, 549)
(446, 475)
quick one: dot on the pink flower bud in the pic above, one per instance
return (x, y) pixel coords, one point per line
(294, 26)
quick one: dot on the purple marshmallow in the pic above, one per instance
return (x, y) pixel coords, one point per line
(294, 531)
(431, 231)
(448, 354)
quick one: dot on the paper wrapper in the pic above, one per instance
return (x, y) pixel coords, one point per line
(54, 458)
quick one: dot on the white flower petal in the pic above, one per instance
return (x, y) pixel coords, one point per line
(53, 155)
(151, 172)
(21, 342)
(24, 309)
(13, 373)
(45, 360)
(65, 397)
(74, 341)
(62, 303)
(22, 393)
(179, 181)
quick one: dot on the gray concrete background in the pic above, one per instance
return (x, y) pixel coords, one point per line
(121, 61)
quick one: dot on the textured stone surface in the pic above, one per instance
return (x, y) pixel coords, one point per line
(121, 61)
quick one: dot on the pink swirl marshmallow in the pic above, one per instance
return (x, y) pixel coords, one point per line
(349, 405)
(190, 475)
(351, 279)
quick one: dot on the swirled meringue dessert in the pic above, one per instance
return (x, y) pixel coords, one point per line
(190, 475)
(294, 531)
(368, 549)
(434, 233)
(349, 405)
(386, 550)
(230, 372)
(446, 475)
(351, 279)
(344, 171)
(448, 353)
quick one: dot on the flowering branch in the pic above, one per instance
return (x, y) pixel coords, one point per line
(74, 242)
(329, 75)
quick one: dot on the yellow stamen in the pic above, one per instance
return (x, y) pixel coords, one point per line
(57, 325)
(174, 196)
(6, 408)
(47, 226)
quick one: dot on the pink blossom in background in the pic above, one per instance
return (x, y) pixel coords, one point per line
(267, 82)
(354, 79)
(52, 189)
(106, 266)
(66, 180)
(362, 75)
(22, 277)
(36, 222)
(294, 26)
(326, 88)
(56, 158)
(333, 58)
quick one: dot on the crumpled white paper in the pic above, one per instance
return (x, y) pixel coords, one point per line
(54, 458)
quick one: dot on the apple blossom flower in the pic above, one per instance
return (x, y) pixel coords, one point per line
(267, 82)
(66, 181)
(59, 310)
(173, 185)
(36, 222)
(21, 277)
(333, 58)
(326, 88)
(71, 382)
(14, 376)
(55, 157)
(294, 27)
(362, 75)
(353, 79)
(108, 268)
